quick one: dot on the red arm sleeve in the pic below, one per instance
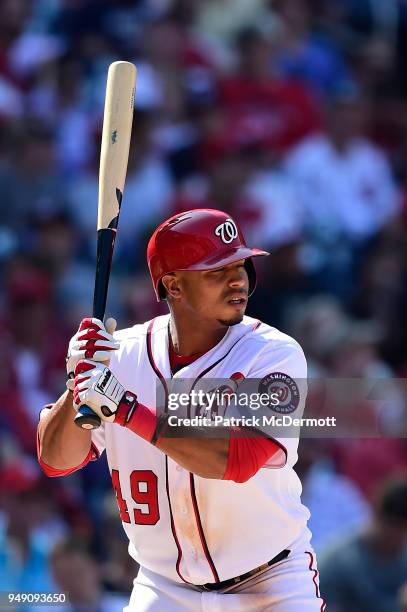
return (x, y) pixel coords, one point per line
(247, 455)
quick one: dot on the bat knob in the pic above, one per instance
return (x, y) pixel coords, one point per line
(86, 418)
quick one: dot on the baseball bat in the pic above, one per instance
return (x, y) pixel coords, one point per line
(114, 154)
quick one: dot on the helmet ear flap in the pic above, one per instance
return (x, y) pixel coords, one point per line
(251, 273)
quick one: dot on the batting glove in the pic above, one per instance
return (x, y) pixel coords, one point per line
(93, 340)
(97, 387)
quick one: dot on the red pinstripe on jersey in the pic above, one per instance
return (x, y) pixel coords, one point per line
(162, 379)
(200, 529)
(314, 579)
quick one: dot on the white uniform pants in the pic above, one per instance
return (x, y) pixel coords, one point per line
(288, 586)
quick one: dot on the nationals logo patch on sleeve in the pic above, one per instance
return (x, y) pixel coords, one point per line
(283, 387)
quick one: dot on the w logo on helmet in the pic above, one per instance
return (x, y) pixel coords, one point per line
(227, 231)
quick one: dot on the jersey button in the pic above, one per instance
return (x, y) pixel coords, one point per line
(184, 510)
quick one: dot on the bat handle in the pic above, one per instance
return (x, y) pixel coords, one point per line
(86, 418)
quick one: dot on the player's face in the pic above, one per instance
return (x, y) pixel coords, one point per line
(219, 294)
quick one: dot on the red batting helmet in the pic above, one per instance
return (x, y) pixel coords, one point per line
(200, 239)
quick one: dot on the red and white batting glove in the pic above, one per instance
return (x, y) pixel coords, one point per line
(93, 340)
(97, 387)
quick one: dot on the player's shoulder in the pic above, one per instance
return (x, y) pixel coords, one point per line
(270, 338)
(129, 333)
(268, 335)
(140, 330)
(133, 340)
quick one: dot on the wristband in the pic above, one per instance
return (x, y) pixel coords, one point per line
(140, 419)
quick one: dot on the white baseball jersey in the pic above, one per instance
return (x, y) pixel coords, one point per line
(181, 526)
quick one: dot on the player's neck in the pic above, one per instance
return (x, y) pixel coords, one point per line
(189, 337)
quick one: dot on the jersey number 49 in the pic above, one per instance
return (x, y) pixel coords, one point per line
(143, 487)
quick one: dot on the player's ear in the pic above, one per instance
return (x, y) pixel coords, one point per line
(172, 285)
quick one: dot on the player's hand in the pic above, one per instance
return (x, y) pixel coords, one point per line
(93, 340)
(97, 387)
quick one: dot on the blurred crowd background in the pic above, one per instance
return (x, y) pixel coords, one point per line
(292, 116)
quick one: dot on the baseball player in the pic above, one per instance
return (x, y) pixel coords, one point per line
(214, 521)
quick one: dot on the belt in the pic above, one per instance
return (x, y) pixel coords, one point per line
(217, 586)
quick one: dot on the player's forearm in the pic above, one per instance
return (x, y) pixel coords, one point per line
(238, 457)
(199, 454)
(204, 457)
(62, 444)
